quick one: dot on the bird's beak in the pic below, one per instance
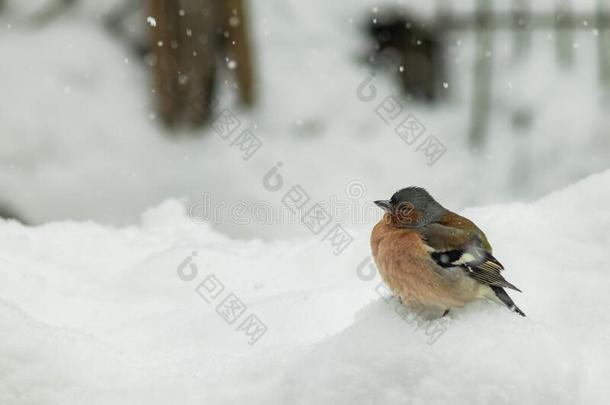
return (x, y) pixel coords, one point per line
(385, 205)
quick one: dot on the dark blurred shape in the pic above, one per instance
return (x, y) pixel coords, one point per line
(564, 37)
(51, 10)
(483, 67)
(187, 41)
(115, 24)
(521, 14)
(7, 213)
(522, 119)
(603, 43)
(411, 48)
(236, 45)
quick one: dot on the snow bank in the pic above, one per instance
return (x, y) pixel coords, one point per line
(99, 315)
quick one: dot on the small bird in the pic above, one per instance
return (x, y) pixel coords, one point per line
(434, 259)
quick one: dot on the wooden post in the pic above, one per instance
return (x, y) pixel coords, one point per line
(481, 98)
(564, 38)
(603, 43)
(521, 26)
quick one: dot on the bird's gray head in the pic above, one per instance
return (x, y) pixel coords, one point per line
(412, 207)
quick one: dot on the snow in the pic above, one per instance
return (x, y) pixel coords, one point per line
(96, 314)
(104, 300)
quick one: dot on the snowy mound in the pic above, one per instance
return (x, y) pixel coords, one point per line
(99, 315)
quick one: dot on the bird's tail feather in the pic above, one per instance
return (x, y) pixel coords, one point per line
(506, 300)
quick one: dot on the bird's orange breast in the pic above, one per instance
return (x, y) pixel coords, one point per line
(406, 267)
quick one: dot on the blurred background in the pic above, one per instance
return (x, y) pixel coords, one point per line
(111, 107)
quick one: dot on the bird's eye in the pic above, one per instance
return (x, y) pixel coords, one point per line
(403, 211)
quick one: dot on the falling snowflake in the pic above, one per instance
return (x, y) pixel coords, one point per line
(234, 21)
(151, 21)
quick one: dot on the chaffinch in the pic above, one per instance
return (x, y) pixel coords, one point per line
(435, 259)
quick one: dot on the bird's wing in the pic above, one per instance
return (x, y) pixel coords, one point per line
(452, 247)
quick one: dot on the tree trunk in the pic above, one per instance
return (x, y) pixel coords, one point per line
(165, 14)
(188, 37)
(238, 48)
(184, 44)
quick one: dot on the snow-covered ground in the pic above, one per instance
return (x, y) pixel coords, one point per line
(79, 140)
(219, 295)
(96, 314)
